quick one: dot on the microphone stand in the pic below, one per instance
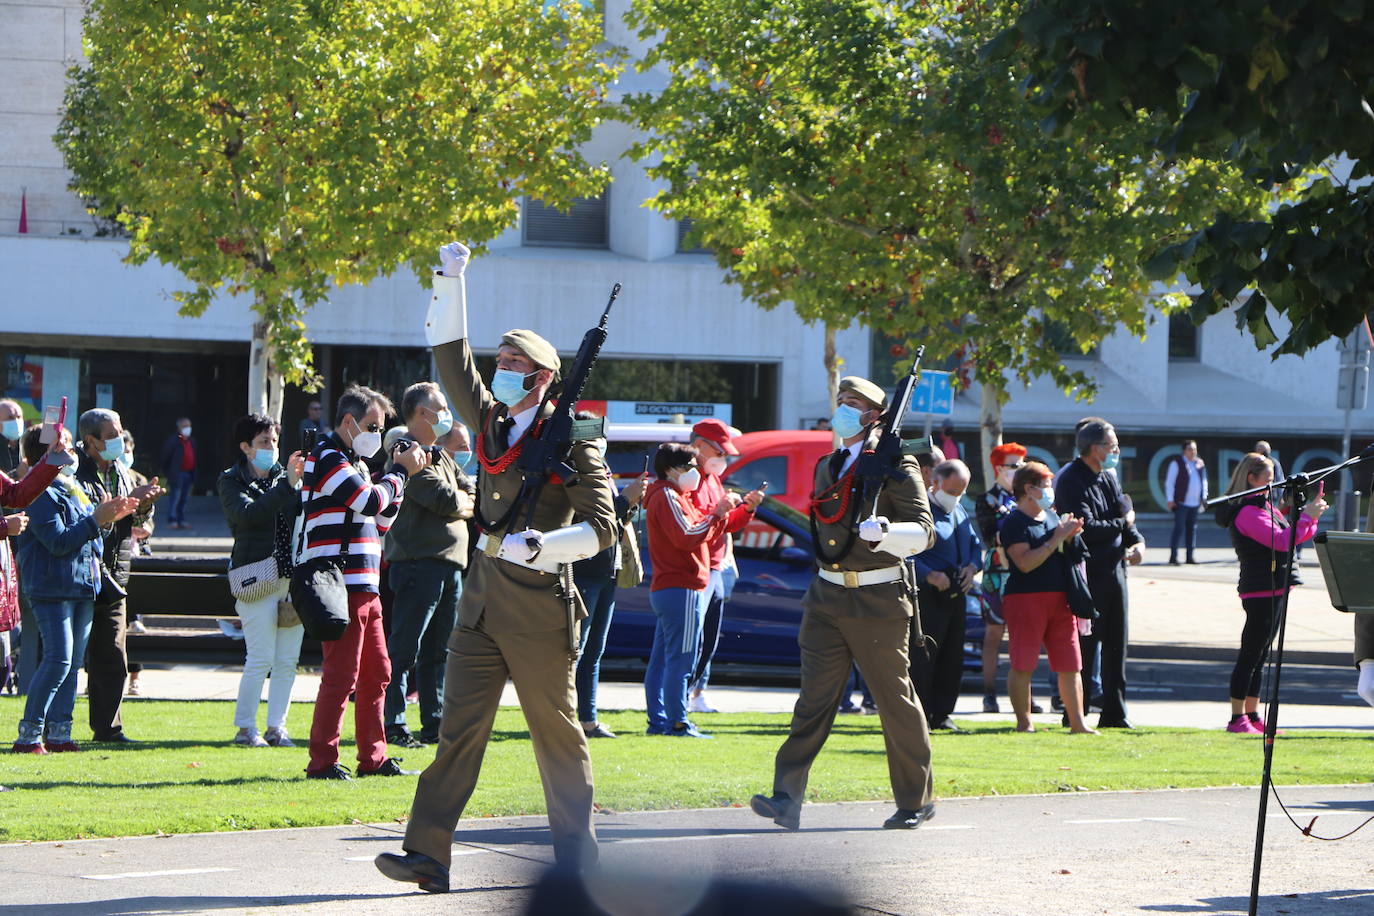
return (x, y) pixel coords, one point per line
(1296, 486)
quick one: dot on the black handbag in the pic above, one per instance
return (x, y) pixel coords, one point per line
(1080, 596)
(317, 589)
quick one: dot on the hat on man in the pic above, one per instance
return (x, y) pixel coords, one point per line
(717, 433)
(539, 350)
(864, 389)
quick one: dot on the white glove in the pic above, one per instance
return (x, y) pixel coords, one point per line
(873, 529)
(568, 545)
(523, 546)
(454, 257)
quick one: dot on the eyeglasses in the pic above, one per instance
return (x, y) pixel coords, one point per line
(1012, 467)
(373, 428)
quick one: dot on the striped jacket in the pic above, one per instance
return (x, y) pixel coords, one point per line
(680, 537)
(341, 502)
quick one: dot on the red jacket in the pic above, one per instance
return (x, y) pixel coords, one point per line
(680, 535)
(16, 494)
(705, 497)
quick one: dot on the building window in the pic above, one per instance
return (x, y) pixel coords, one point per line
(584, 226)
(1183, 337)
(686, 245)
(1061, 338)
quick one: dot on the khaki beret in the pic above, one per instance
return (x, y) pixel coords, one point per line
(539, 350)
(864, 389)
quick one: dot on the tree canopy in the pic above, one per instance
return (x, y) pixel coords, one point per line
(278, 147)
(857, 160)
(1280, 88)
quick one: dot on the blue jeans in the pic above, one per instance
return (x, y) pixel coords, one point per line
(180, 485)
(677, 636)
(599, 596)
(1185, 530)
(65, 626)
(424, 612)
(710, 629)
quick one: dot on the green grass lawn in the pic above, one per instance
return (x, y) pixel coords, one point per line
(184, 776)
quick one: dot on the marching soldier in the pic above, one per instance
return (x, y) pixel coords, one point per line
(858, 609)
(519, 607)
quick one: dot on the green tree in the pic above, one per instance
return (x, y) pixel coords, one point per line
(276, 148)
(855, 159)
(1279, 87)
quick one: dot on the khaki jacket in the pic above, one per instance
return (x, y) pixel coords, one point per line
(504, 597)
(428, 524)
(900, 501)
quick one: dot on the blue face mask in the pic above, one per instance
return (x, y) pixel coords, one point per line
(462, 459)
(1046, 498)
(67, 470)
(846, 421)
(264, 458)
(113, 448)
(443, 422)
(12, 429)
(508, 386)
(1111, 461)
(126, 459)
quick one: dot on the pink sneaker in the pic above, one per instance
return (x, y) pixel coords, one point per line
(1258, 723)
(1241, 725)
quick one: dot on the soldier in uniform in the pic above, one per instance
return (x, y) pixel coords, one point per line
(858, 609)
(519, 611)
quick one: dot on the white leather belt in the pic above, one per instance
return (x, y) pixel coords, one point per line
(851, 579)
(484, 542)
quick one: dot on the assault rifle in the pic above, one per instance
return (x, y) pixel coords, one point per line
(547, 453)
(875, 467)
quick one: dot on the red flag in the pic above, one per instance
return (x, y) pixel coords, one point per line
(23, 212)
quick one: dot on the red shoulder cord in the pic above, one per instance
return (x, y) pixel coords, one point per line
(499, 465)
(846, 491)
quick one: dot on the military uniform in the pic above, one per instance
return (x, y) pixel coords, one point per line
(863, 617)
(514, 621)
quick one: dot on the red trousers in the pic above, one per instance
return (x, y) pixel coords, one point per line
(356, 664)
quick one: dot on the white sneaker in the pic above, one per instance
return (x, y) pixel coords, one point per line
(698, 704)
(137, 627)
(277, 737)
(249, 737)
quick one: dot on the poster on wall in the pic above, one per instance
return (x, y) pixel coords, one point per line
(38, 381)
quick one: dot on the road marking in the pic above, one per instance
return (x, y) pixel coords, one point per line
(674, 839)
(455, 853)
(1123, 820)
(157, 874)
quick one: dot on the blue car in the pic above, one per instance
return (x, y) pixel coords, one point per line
(759, 632)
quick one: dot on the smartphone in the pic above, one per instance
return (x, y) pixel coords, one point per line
(308, 439)
(1321, 488)
(53, 419)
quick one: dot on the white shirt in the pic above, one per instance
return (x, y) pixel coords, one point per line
(851, 456)
(1196, 493)
(522, 422)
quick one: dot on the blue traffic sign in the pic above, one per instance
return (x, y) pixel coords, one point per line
(933, 395)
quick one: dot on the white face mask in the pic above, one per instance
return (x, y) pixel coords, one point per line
(367, 444)
(689, 480)
(946, 501)
(186, 431)
(715, 466)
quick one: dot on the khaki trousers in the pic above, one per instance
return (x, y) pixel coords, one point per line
(541, 665)
(879, 646)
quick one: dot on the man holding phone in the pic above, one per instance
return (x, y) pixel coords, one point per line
(103, 477)
(711, 438)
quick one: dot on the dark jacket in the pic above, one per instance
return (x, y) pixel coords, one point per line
(171, 454)
(427, 525)
(251, 506)
(100, 485)
(59, 553)
(1095, 497)
(603, 565)
(1259, 563)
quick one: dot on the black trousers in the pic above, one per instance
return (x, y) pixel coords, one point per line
(1110, 638)
(1255, 638)
(938, 674)
(107, 668)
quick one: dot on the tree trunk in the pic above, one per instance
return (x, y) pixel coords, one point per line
(990, 427)
(832, 372)
(275, 390)
(259, 368)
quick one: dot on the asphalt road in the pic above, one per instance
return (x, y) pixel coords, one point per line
(1088, 853)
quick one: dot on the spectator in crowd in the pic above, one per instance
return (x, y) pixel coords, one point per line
(346, 515)
(60, 571)
(1262, 448)
(1185, 486)
(597, 578)
(1065, 466)
(927, 462)
(313, 423)
(867, 705)
(142, 533)
(1035, 599)
(1259, 533)
(948, 447)
(11, 429)
(427, 549)
(261, 500)
(945, 572)
(991, 510)
(103, 477)
(15, 495)
(179, 464)
(1088, 491)
(680, 536)
(711, 438)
